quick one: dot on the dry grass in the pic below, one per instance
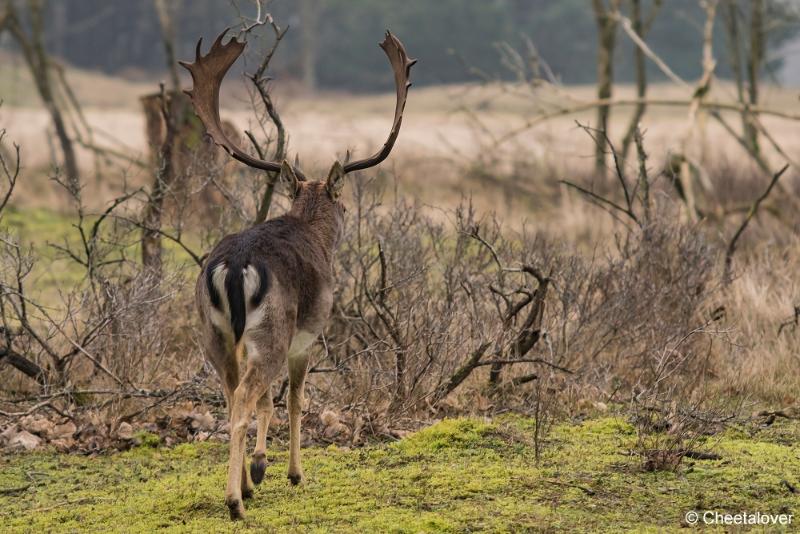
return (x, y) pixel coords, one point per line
(95, 89)
(438, 136)
(446, 154)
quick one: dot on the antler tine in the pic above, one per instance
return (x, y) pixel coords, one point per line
(401, 65)
(207, 74)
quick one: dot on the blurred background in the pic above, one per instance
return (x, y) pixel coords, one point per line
(331, 43)
(486, 68)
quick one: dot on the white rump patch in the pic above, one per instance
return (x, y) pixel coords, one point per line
(251, 284)
(220, 318)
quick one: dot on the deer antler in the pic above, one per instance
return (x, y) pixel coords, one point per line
(209, 70)
(401, 65)
(207, 74)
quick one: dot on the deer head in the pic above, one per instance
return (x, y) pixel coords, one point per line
(208, 72)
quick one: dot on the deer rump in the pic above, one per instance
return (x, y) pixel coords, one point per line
(241, 280)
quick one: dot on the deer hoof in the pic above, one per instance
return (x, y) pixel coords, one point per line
(295, 478)
(257, 467)
(235, 508)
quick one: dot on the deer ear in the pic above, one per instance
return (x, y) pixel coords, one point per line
(288, 175)
(335, 181)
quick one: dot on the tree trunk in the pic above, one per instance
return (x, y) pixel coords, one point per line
(735, 55)
(173, 110)
(641, 79)
(165, 21)
(163, 180)
(754, 62)
(309, 22)
(35, 54)
(606, 41)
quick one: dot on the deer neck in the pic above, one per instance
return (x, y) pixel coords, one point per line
(324, 223)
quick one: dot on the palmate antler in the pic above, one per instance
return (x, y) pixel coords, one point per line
(208, 72)
(401, 66)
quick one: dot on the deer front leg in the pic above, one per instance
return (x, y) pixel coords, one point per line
(245, 396)
(258, 464)
(298, 364)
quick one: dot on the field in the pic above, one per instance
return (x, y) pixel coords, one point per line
(442, 134)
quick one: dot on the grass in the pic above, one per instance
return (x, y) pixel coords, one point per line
(38, 229)
(455, 476)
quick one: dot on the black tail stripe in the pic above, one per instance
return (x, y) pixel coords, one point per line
(212, 290)
(234, 288)
(263, 284)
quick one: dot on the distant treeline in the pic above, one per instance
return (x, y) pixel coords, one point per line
(338, 49)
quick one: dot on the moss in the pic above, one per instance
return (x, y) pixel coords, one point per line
(148, 439)
(448, 434)
(457, 475)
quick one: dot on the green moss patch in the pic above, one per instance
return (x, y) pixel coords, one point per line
(457, 475)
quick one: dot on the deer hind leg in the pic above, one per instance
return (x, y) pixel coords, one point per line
(225, 360)
(264, 409)
(298, 365)
(245, 396)
(224, 357)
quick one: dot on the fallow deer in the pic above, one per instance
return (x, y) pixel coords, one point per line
(268, 290)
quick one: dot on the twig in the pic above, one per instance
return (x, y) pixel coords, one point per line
(464, 371)
(525, 360)
(606, 141)
(602, 200)
(750, 214)
(198, 259)
(628, 28)
(14, 491)
(23, 364)
(106, 151)
(474, 233)
(80, 348)
(36, 408)
(794, 320)
(652, 102)
(82, 500)
(260, 81)
(11, 176)
(700, 455)
(588, 491)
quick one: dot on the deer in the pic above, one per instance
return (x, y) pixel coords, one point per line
(265, 294)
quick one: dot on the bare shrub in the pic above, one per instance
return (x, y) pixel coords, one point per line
(452, 313)
(116, 334)
(435, 312)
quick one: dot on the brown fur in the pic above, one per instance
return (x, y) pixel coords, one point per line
(297, 249)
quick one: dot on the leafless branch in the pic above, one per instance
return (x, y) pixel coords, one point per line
(731, 249)
(11, 174)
